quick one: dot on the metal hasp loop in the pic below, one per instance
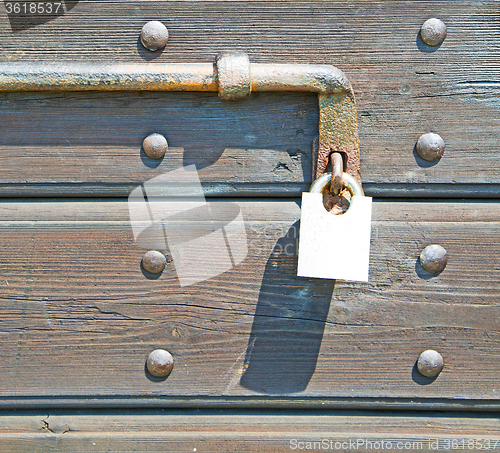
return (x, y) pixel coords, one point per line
(233, 77)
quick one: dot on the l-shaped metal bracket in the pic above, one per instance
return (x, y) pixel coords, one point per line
(233, 76)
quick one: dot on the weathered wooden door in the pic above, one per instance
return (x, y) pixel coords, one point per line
(263, 360)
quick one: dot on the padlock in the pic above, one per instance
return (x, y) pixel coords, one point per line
(335, 246)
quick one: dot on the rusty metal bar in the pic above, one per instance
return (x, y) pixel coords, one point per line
(166, 77)
(298, 77)
(107, 77)
(232, 75)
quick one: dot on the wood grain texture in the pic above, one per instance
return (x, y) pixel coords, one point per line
(79, 317)
(242, 431)
(95, 147)
(91, 145)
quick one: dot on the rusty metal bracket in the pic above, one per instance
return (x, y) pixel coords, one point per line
(232, 76)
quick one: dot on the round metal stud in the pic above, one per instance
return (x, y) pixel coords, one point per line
(154, 35)
(160, 363)
(155, 146)
(154, 262)
(434, 258)
(430, 363)
(430, 147)
(433, 32)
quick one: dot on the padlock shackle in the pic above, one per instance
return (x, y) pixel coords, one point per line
(323, 182)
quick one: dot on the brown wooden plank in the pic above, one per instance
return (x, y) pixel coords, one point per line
(85, 142)
(403, 88)
(245, 431)
(79, 317)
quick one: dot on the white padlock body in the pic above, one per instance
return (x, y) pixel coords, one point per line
(334, 246)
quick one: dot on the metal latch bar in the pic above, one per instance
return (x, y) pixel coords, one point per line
(233, 76)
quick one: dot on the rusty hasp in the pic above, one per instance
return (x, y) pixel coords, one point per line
(232, 76)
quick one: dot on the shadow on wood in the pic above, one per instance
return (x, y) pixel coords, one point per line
(423, 47)
(422, 273)
(25, 15)
(146, 54)
(422, 162)
(288, 325)
(420, 379)
(74, 127)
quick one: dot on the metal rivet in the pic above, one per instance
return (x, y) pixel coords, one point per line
(154, 262)
(434, 258)
(154, 35)
(430, 147)
(160, 363)
(430, 363)
(155, 146)
(433, 32)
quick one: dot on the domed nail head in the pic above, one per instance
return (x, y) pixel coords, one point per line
(433, 32)
(154, 262)
(154, 35)
(430, 363)
(434, 258)
(155, 146)
(160, 363)
(430, 147)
